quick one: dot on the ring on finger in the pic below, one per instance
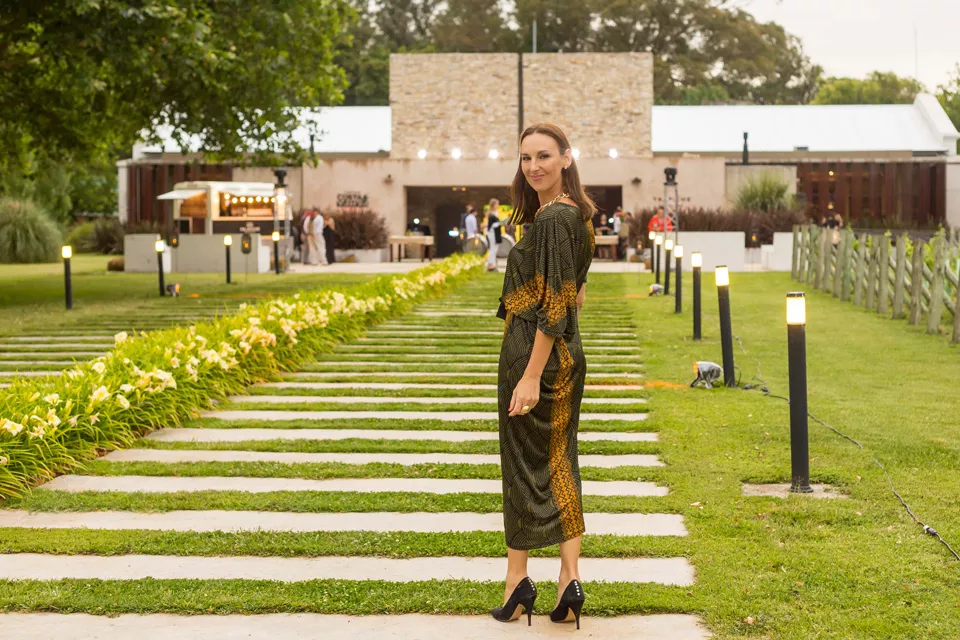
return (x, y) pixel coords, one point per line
(525, 409)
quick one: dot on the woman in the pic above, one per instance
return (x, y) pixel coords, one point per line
(494, 233)
(542, 370)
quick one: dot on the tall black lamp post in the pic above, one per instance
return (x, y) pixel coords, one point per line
(658, 243)
(160, 246)
(668, 256)
(671, 201)
(227, 243)
(696, 259)
(280, 210)
(678, 254)
(797, 355)
(276, 251)
(66, 252)
(722, 276)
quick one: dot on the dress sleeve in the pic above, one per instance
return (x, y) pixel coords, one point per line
(556, 274)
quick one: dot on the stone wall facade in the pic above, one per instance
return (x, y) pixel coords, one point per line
(440, 102)
(602, 101)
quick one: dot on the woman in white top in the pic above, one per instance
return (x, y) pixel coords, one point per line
(318, 245)
(494, 233)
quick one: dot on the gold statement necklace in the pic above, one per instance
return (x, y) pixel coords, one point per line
(554, 201)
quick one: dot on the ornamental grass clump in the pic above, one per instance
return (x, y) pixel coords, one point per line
(158, 379)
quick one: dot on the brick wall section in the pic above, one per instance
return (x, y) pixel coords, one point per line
(601, 100)
(442, 101)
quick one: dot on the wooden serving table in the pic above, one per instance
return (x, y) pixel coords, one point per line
(419, 241)
(607, 246)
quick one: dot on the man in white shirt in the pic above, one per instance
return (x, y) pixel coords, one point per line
(471, 222)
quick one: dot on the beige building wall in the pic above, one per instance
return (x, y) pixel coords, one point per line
(443, 101)
(384, 181)
(602, 101)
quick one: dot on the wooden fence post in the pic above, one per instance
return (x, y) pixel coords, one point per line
(916, 283)
(883, 265)
(900, 279)
(823, 258)
(871, 282)
(847, 264)
(838, 275)
(802, 254)
(956, 318)
(861, 268)
(811, 253)
(795, 261)
(936, 285)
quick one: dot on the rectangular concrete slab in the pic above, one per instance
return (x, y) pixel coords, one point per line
(444, 416)
(29, 374)
(4, 354)
(303, 626)
(201, 455)
(59, 338)
(174, 484)
(35, 566)
(614, 524)
(363, 400)
(244, 435)
(36, 363)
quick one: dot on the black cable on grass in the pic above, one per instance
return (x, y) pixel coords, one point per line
(926, 528)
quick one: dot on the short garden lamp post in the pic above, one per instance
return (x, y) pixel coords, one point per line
(160, 246)
(797, 355)
(678, 254)
(227, 243)
(276, 251)
(722, 275)
(696, 259)
(66, 252)
(658, 242)
(668, 254)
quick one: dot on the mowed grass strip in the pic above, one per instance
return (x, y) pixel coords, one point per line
(354, 445)
(416, 424)
(323, 470)
(395, 544)
(309, 502)
(444, 378)
(367, 597)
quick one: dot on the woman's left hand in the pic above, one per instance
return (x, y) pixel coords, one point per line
(526, 393)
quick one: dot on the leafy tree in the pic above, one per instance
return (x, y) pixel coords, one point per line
(475, 26)
(949, 96)
(82, 77)
(877, 88)
(562, 25)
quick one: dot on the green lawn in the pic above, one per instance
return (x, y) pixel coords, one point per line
(32, 296)
(801, 568)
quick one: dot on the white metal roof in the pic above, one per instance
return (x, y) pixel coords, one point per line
(921, 127)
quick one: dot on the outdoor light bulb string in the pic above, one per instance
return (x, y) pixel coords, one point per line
(766, 392)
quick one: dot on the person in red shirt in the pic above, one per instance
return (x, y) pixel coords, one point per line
(660, 222)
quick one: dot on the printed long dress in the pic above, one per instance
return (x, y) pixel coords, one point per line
(542, 502)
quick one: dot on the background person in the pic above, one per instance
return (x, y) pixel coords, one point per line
(494, 233)
(329, 236)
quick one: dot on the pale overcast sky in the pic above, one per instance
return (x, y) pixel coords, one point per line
(855, 37)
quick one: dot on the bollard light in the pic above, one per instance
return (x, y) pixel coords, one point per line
(160, 246)
(66, 252)
(696, 259)
(658, 241)
(276, 251)
(722, 276)
(797, 356)
(227, 243)
(668, 248)
(678, 254)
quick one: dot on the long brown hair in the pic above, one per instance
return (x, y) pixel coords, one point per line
(525, 200)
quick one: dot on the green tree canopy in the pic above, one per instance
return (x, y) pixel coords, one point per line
(81, 78)
(949, 96)
(705, 50)
(877, 88)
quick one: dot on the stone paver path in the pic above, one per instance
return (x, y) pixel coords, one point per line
(363, 464)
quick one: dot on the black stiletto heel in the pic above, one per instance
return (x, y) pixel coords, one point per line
(520, 600)
(570, 602)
